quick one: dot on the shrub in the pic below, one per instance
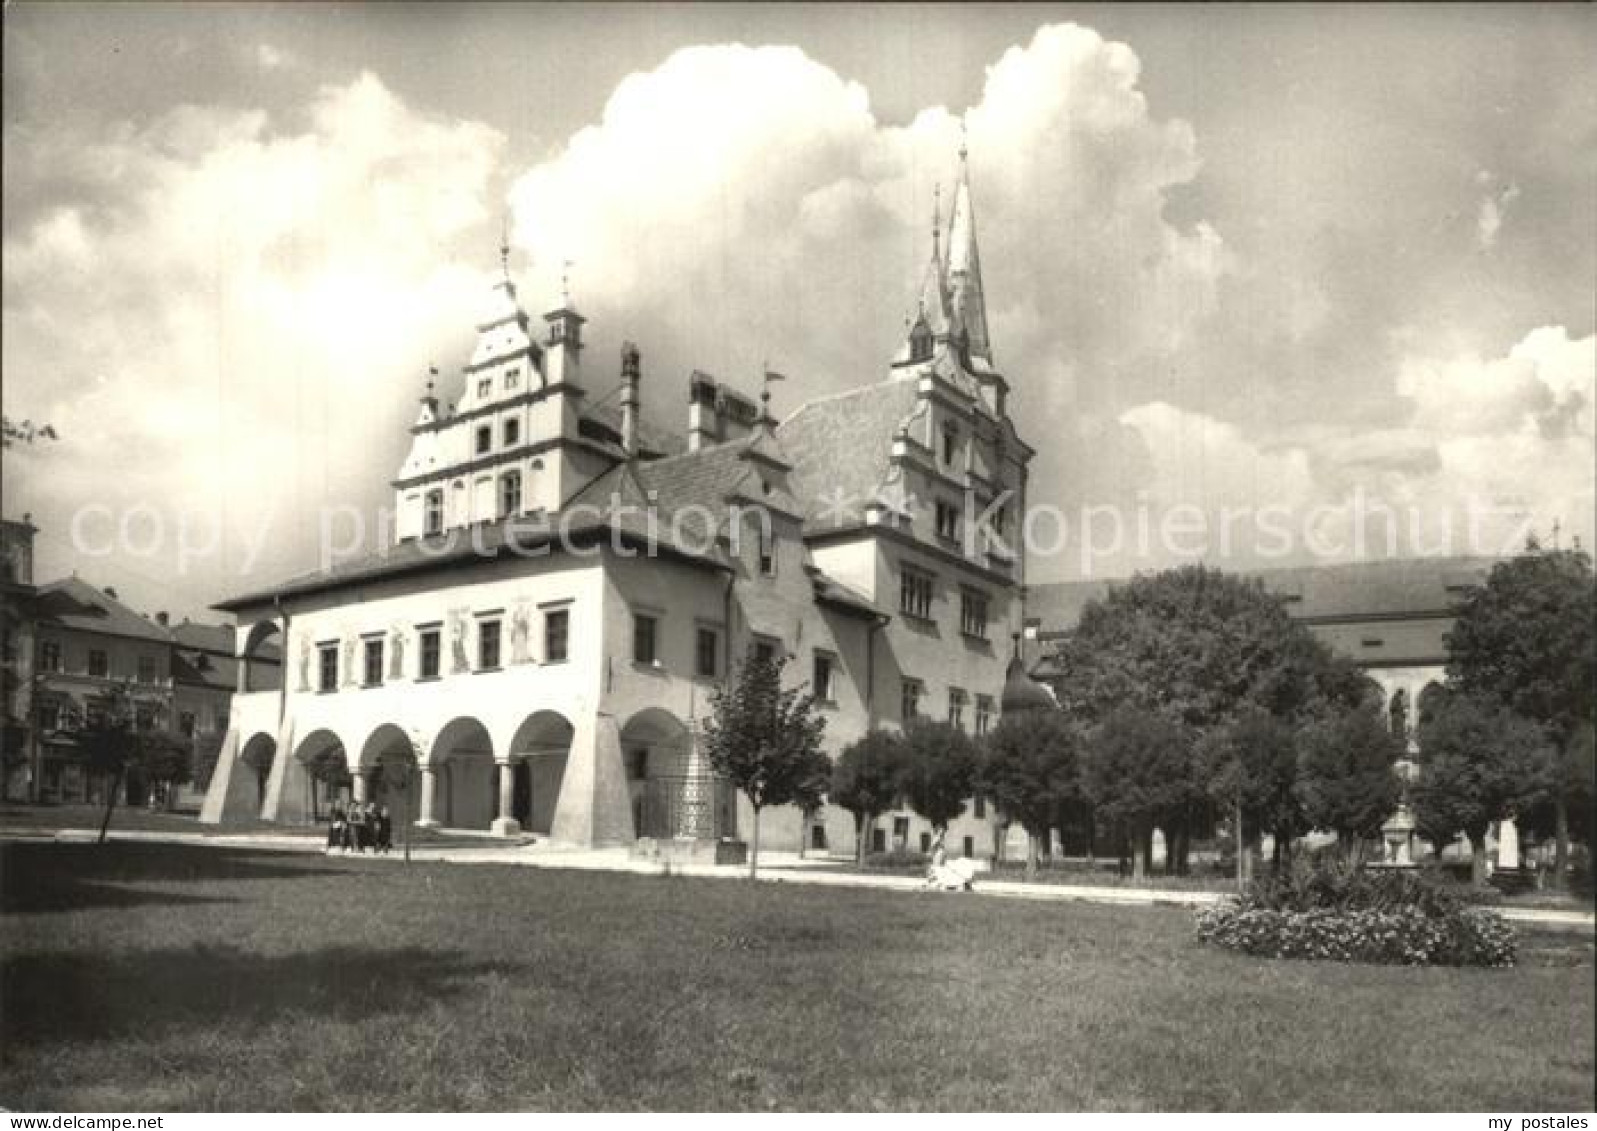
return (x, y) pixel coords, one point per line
(898, 860)
(1343, 914)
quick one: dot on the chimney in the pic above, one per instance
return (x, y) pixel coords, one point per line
(704, 422)
(161, 618)
(629, 399)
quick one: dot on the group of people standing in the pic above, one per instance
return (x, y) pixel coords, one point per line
(361, 827)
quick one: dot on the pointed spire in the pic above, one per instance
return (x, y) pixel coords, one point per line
(504, 246)
(967, 303)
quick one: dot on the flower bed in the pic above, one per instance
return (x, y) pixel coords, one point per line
(1344, 915)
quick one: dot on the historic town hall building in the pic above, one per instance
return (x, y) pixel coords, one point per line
(566, 585)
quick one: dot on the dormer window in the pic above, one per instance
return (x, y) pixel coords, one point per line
(485, 388)
(434, 520)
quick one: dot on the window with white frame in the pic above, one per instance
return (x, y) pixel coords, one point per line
(509, 494)
(327, 666)
(823, 683)
(915, 593)
(973, 613)
(433, 522)
(984, 715)
(488, 643)
(645, 631)
(512, 432)
(947, 520)
(909, 696)
(957, 699)
(373, 661)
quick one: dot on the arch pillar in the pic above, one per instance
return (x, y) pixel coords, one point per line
(361, 783)
(595, 807)
(429, 797)
(505, 823)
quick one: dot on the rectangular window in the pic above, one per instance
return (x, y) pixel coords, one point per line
(708, 652)
(556, 635)
(984, 713)
(428, 639)
(956, 707)
(374, 662)
(981, 809)
(95, 713)
(146, 669)
(968, 844)
(513, 377)
(222, 719)
(50, 655)
(512, 433)
(185, 724)
(327, 667)
(485, 438)
(434, 522)
(485, 387)
(509, 494)
(909, 697)
(49, 715)
(915, 593)
(144, 718)
(950, 445)
(99, 663)
(643, 639)
(767, 550)
(765, 650)
(821, 685)
(487, 644)
(973, 614)
(947, 521)
(925, 842)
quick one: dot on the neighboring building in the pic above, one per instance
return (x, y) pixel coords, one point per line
(17, 618)
(1390, 617)
(88, 645)
(549, 673)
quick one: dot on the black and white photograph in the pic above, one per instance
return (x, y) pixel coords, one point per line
(871, 558)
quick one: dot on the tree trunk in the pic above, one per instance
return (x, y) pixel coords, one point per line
(110, 803)
(754, 845)
(1275, 855)
(1560, 838)
(1031, 856)
(1477, 859)
(1141, 849)
(861, 830)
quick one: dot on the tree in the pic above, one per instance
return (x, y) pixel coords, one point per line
(114, 745)
(1253, 771)
(1348, 781)
(865, 780)
(1479, 763)
(939, 770)
(1527, 640)
(766, 740)
(1135, 771)
(1031, 768)
(1200, 647)
(23, 432)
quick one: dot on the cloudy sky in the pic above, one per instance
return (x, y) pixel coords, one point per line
(1300, 259)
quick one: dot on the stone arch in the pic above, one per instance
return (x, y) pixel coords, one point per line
(673, 793)
(462, 757)
(325, 760)
(258, 668)
(258, 754)
(387, 761)
(539, 751)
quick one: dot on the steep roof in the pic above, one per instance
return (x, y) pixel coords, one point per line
(74, 603)
(966, 298)
(841, 448)
(1341, 591)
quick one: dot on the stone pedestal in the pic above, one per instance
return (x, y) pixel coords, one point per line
(429, 792)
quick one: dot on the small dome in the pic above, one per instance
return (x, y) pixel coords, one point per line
(1022, 693)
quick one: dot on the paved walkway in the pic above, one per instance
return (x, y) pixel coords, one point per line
(775, 867)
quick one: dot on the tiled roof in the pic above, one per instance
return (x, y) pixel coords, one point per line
(841, 449)
(74, 603)
(692, 490)
(1342, 591)
(465, 544)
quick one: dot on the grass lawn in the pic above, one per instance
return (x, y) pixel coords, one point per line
(146, 977)
(20, 819)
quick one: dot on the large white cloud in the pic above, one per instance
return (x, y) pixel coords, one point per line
(228, 318)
